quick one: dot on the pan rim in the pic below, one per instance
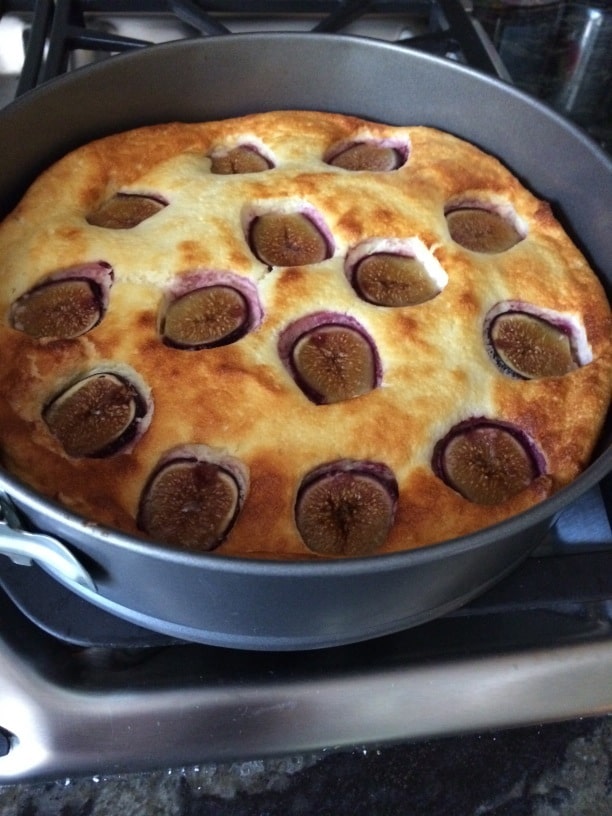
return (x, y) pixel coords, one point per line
(82, 73)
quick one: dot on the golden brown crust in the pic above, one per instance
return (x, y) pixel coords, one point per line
(238, 397)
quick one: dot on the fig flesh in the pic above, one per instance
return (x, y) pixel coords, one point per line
(287, 239)
(482, 230)
(487, 461)
(65, 305)
(346, 508)
(529, 346)
(206, 308)
(390, 279)
(125, 211)
(331, 357)
(98, 416)
(372, 156)
(193, 499)
(238, 160)
(205, 318)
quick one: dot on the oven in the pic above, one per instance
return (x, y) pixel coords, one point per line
(83, 692)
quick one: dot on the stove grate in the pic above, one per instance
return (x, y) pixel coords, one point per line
(35, 38)
(59, 29)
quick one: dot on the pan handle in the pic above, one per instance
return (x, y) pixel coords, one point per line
(24, 548)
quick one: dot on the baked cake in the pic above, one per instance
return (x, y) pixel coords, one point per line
(295, 335)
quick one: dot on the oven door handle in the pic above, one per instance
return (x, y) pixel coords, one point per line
(26, 548)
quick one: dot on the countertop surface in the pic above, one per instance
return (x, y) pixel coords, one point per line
(560, 769)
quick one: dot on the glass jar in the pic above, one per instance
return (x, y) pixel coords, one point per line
(525, 34)
(583, 90)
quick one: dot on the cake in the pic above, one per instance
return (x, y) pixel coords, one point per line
(295, 335)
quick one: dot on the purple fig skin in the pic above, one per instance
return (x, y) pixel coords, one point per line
(353, 531)
(303, 326)
(205, 278)
(579, 345)
(99, 277)
(533, 456)
(206, 464)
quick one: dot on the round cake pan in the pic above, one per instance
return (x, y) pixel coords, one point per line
(253, 604)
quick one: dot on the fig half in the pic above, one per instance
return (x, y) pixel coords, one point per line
(331, 357)
(65, 305)
(193, 498)
(347, 507)
(289, 237)
(99, 415)
(483, 227)
(394, 272)
(487, 461)
(126, 210)
(375, 156)
(244, 158)
(206, 308)
(529, 342)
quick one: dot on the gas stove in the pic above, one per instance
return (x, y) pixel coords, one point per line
(82, 691)
(65, 35)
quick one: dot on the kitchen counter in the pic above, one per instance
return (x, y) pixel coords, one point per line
(560, 769)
